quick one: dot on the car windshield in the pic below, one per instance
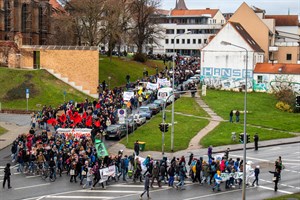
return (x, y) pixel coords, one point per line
(112, 128)
(144, 109)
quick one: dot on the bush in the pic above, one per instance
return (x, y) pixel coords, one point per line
(140, 57)
(284, 106)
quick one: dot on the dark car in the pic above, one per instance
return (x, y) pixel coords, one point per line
(160, 103)
(132, 125)
(154, 108)
(116, 131)
(145, 112)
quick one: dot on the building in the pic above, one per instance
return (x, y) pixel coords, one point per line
(201, 24)
(31, 18)
(224, 66)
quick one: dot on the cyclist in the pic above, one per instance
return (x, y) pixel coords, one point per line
(52, 166)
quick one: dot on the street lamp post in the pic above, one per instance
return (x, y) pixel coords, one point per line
(173, 87)
(109, 82)
(245, 118)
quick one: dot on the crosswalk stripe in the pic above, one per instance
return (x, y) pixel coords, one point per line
(109, 191)
(32, 186)
(76, 197)
(282, 191)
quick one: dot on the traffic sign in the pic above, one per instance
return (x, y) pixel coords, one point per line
(27, 93)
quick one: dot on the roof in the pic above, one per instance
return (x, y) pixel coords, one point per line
(245, 35)
(180, 5)
(284, 20)
(162, 12)
(207, 11)
(278, 68)
(56, 6)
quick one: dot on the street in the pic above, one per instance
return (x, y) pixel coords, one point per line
(33, 187)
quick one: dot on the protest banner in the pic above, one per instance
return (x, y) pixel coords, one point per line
(100, 148)
(163, 82)
(77, 132)
(127, 95)
(107, 172)
(152, 86)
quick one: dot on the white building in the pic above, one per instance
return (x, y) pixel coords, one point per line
(224, 66)
(201, 25)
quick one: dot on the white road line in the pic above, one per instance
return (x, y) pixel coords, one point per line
(77, 197)
(268, 188)
(1, 174)
(215, 194)
(292, 163)
(110, 191)
(32, 186)
(37, 197)
(1, 181)
(251, 158)
(17, 173)
(34, 176)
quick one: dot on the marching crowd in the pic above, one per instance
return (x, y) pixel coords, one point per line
(41, 150)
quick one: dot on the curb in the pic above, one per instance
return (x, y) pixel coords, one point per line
(21, 112)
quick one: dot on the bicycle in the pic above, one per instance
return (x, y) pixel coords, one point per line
(48, 173)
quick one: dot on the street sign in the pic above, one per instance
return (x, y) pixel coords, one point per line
(27, 93)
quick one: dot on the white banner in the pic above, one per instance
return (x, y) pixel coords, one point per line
(152, 86)
(77, 132)
(141, 159)
(127, 95)
(107, 172)
(163, 82)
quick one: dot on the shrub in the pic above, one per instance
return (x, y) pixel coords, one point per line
(284, 106)
(140, 57)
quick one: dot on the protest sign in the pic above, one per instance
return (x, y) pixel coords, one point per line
(127, 95)
(100, 148)
(163, 82)
(77, 132)
(107, 172)
(152, 86)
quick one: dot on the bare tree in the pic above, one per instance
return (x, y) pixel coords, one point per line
(145, 24)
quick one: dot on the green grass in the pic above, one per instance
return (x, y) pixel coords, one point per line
(45, 89)
(221, 135)
(2, 130)
(185, 129)
(189, 106)
(261, 108)
(119, 68)
(286, 197)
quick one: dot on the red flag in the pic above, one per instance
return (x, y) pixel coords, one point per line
(84, 115)
(63, 118)
(52, 121)
(77, 118)
(97, 123)
(70, 113)
(89, 121)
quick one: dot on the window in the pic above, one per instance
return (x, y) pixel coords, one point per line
(183, 41)
(205, 41)
(199, 41)
(7, 13)
(288, 56)
(170, 31)
(177, 41)
(24, 18)
(180, 31)
(172, 41)
(188, 41)
(194, 41)
(259, 79)
(167, 41)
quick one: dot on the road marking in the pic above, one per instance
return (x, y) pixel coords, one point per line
(285, 185)
(77, 197)
(291, 171)
(268, 188)
(17, 173)
(215, 194)
(134, 186)
(32, 186)
(251, 158)
(33, 176)
(109, 191)
(292, 163)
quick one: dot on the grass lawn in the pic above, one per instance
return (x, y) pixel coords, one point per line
(185, 129)
(221, 135)
(188, 105)
(44, 88)
(286, 197)
(119, 68)
(261, 108)
(2, 130)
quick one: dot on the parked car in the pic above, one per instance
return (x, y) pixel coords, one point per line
(139, 119)
(154, 108)
(145, 111)
(160, 103)
(132, 125)
(116, 131)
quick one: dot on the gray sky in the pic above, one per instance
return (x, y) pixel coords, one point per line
(279, 7)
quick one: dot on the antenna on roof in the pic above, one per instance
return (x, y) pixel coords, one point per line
(288, 11)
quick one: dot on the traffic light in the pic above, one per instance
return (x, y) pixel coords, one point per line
(242, 138)
(161, 127)
(297, 101)
(166, 127)
(248, 138)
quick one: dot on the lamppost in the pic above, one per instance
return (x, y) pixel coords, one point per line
(245, 117)
(109, 82)
(173, 87)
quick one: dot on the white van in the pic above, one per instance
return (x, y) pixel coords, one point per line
(165, 93)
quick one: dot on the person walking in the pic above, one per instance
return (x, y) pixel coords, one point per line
(237, 116)
(256, 138)
(146, 186)
(136, 148)
(7, 176)
(155, 175)
(209, 153)
(256, 173)
(218, 180)
(276, 178)
(171, 173)
(231, 116)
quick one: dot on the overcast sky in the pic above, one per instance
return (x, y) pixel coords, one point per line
(279, 7)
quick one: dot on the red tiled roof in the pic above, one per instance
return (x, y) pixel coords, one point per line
(162, 12)
(284, 20)
(206, 11)
(278, 68)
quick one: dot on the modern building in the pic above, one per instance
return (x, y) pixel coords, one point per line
(200, 24)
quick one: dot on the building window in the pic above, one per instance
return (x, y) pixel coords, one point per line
(167, 41)
(7, 13)
(172, 41)
(199, 41)
(194, 41)
(205, 41)
(183, 41)
(188, 41)
(259, 79)
(177, 41)
(170, 31)
(180, 31)
(24, 18)
(288, 56)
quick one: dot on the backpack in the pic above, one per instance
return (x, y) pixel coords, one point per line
(213, 168)
(194, 168)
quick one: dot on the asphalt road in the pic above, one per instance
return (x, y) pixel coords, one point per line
(33, 187)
